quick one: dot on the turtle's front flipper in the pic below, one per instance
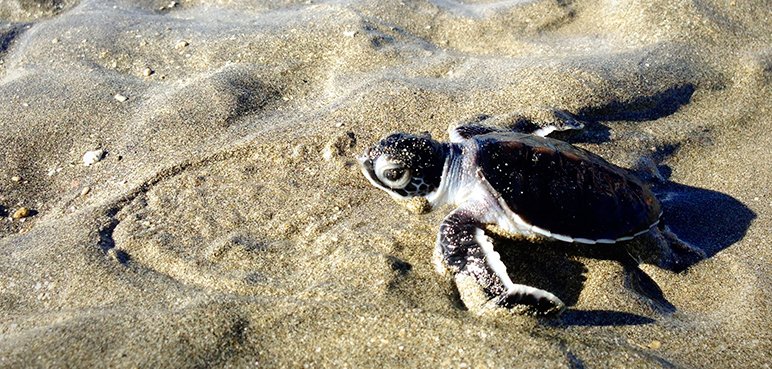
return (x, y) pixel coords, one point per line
(466, 250)
(541, 124)
(469, 129)
(555, 121)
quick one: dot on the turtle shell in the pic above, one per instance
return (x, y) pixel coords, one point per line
(564, 189)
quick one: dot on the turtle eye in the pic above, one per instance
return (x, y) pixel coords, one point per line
(392, 174)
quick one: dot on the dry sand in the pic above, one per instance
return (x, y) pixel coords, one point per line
(228, 224)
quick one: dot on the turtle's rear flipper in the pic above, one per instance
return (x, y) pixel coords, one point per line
(675, 254)
(687, 253)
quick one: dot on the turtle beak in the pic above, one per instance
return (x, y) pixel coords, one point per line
(366, 164)
(364, 158)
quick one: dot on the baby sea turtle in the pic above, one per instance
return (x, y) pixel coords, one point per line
(524, 185)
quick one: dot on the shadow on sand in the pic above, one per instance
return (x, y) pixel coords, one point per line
(598, 318)
(641, 108)
(644, 108)
(708, 220)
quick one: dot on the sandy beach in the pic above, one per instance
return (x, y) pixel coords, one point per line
(223, 221)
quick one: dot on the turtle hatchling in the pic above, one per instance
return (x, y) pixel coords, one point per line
(524, 184)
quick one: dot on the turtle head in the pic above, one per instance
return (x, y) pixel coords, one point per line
(405, 165)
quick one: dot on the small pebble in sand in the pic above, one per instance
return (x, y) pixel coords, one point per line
(147, 72)
(655, 345)
(298, 151)
(21, 213)
(55, 41)
(181, 44)
(16, 178)
(85, 191)
(92, 157)
(169, 6)
(121, 98)
(349, 33)
(328, 153)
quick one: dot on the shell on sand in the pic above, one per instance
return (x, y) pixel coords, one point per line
(93, 157)
(21, 213)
